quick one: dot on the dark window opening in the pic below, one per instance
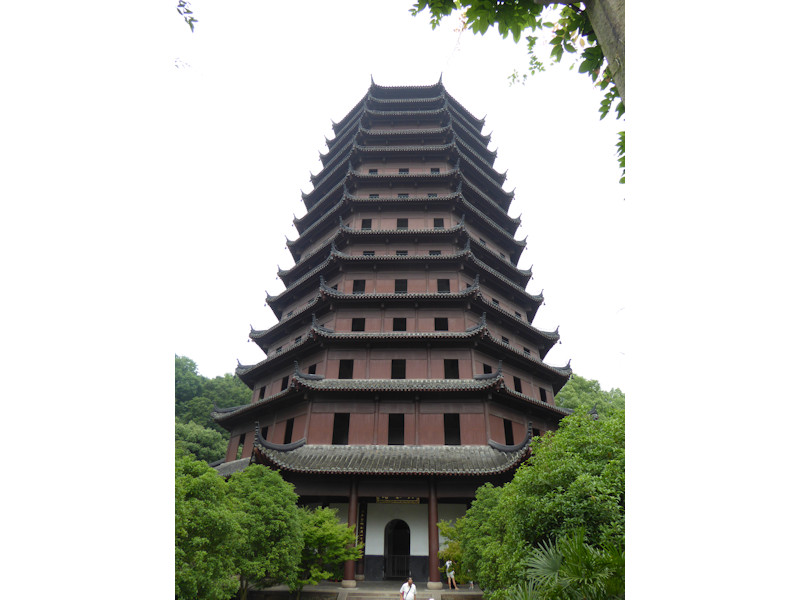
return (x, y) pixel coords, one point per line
(346, 368)
(482, 241)
(297, 339)
(502, 255)
(509, 431)
(368, 252)
(434, 252)
(505, 339)
(290, 313)
(443, 285)
(335, 286)
(373, 171)
(399, 324)
(434, 170)
(527, 351)
(241, 446)
(404, 171)
(536, 432)
(451, 368)
(261, 392)
(341, 429)
(366, 223)
(399, 368)
(486, 369)
(402, 223)
(373, 196)
(517, 384)
(312, 370)
(438, 223)
(432, 195)
(543, 394)
(401, 252)
(402, 195)
(287, 435)
(495, 301)
(440, 324)
(452, 429)
(397, 424)
(401, 286)
(518, 315)
(285, 383)
(278, 349)
(264, 431)
(359, 285)
(357, 324)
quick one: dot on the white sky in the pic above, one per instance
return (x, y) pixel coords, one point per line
(144, 209)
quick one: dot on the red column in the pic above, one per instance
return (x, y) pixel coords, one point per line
(434, 577)
(352, 518)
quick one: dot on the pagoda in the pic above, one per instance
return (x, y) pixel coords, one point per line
(404, 371)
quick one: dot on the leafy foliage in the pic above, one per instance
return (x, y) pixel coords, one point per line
(570, 32)
(185, 11)
(580, 393)
(203, 443)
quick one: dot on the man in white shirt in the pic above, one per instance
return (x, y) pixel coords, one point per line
(408, 591)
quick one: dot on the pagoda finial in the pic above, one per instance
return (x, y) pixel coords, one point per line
(440, 77)
(238, 364)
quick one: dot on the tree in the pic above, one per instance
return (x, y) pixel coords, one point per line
(205, 531)
(327, 544)
(580, 393)
(575, 478)
(264, 506)
(203, 443)
(595, 26)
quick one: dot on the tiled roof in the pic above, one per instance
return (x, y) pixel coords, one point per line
(394, 460)
(235, 466)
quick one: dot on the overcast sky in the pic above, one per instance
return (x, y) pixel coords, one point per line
(148, 178)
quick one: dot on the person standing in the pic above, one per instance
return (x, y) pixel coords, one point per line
(408, 591)
(451, 574)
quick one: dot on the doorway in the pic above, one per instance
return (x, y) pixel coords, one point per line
(396, 550)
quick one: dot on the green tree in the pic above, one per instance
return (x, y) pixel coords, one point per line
(205, 532)
(327, 544)
(188, 383)
(593, 28)
(264, 506)
(203, 443)
(580, 393)
(575, 478)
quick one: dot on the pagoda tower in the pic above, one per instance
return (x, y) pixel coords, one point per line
(404, 371)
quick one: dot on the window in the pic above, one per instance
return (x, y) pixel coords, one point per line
(398, 368)
(373, 171)
(278, 349)
(312, 370)
(357, 324)
(536, 432)
(399, 324)
(404, 171)
(289, 314)
(430, 195)
(287, 434)
(452, 429)
(402, 223)
(401, 252)
(397, 424)
(239, 449)
(261, 392)
(402, 195)
(401, 286)
(335, 286)
(264, 431)
(434, 252)
(486, 369)
(346, 368)
(505, 339)
(297, 339)
(443, 286)
(518, 315)
(527, 351)
(341, 429)
(373, 196)
(509, 431)
(438, 223)
(495, 302)
(440, 324)
(517, 384)
(451, 368)
(359, 286)
(482, 241)
(543, 394)
(366, 224)
(368, 252)
(435, 170)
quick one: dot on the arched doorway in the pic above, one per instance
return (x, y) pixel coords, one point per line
(396, 550)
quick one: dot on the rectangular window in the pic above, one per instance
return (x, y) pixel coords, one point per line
(397, 425)
(431, 195)
(346, 368)
(443, 286)
(438, 223)
(451, 368)
(518, 315)
(486, 369)
(264, 431)
(312, 370)
(452, 429)
(401, 252)
(434, 252)
(341, 429)
(373, 171)
(399, 324)
(261, 392)
(359, 286)
(509, 431)
(440, 324)
(517, 385)
(434, 170)
(373, 196)
(366, 224)
(357, 324)
(543, 394)
(505, 339)
(287, 434)
(404, 171)
(402, 195)
(398, 368)
(285, 383)
(401, 286)
(368, 252)
(278, 349)
(402, 223)
(495, 302)
(297, 339)
(526, 351)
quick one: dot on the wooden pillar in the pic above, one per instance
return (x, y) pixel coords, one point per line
(349, 580)
(434, 577)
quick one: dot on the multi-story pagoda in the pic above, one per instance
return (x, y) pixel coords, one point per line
(404, 371)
